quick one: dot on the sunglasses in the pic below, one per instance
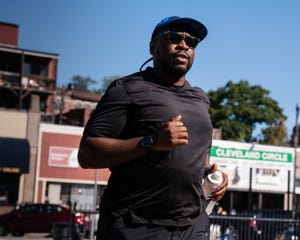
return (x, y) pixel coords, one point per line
(177, 37)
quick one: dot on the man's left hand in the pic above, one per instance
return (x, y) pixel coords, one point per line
(220, 189)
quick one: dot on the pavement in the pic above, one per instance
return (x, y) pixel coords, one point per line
(29, 236)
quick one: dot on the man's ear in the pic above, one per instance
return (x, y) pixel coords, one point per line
(152, 46)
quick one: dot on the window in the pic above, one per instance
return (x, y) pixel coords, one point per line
(27, 69)
(44, 70)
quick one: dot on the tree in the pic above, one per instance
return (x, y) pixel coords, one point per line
(275, 135)
(106, 81)
(238, 109)
(84, 83)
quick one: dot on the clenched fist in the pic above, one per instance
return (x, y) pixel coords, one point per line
(171, 134)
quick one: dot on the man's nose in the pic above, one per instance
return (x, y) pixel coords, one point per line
(183, 44)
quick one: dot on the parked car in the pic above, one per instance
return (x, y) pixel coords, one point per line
(39, 218)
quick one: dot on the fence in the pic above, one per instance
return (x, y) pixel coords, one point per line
(276, 226)
(251, 225)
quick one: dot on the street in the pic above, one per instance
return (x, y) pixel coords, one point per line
(28, 236)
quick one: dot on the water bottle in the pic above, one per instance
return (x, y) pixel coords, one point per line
(209, 185)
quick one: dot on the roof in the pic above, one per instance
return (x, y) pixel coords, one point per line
(88, 96)
(5, 48)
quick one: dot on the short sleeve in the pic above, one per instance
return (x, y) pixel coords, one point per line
(109, 117)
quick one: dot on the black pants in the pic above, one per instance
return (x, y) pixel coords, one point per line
(115, 227)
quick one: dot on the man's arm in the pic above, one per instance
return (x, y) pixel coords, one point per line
(104, 152)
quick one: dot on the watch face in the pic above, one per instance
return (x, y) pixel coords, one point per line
(147, 142)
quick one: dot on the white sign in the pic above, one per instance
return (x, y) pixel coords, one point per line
(63, 157)
(270, 166)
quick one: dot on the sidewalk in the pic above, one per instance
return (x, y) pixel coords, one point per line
(28, 236)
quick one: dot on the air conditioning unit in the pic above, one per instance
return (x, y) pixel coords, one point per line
(24, 81)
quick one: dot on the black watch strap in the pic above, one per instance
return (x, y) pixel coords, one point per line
(147, 142)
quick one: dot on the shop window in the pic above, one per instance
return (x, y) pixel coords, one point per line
(77, 105)
(87, 106)
(79, 195)
(9, 188)
(272, 201)
(3, 195)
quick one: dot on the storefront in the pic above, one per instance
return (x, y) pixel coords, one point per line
(14, 161)
(59, 177)
(260, 176)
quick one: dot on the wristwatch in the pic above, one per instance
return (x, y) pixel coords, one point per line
(147, 142)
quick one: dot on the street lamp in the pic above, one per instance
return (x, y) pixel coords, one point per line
(296, 140)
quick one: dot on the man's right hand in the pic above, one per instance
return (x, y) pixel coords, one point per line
(171, 134)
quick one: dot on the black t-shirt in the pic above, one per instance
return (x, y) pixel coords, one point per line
(162, 187)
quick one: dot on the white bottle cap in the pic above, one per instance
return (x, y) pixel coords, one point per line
(215, 178)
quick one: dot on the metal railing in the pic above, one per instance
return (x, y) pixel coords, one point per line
(14, 79)
(252, 225)
(253, 228)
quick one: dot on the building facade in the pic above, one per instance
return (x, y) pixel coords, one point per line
(260, 176)
(29, 96)
(59, 178)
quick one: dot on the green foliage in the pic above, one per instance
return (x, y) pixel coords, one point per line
(239, 108)
(106, 81)
(87, 82)
(275, 135)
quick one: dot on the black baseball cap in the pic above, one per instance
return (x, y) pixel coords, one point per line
(194, 27)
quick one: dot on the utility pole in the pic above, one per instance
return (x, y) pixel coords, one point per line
(296, 140)
(62, 105)
(93, 215)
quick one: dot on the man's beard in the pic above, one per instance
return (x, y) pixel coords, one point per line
(177, 69)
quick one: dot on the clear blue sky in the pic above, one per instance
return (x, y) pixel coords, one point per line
(255, 40)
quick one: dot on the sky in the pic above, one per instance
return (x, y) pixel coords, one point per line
(257, 40)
